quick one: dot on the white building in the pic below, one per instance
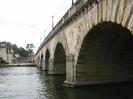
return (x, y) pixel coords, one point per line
(6, 53)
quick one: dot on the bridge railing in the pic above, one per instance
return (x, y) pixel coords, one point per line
(78, 5)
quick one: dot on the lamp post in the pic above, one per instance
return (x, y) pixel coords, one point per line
(72, 2)
(52, 22)
(44, 34)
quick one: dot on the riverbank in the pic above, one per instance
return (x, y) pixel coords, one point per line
(18, 65)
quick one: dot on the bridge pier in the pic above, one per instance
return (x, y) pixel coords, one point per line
(38, 63)
(43, 64)
(50, 68)
(69, 82)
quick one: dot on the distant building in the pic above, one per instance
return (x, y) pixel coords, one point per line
(19, 59)
(8, 56)
(16, 55)
(6, 53)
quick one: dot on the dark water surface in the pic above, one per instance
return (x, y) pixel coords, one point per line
(30, 83)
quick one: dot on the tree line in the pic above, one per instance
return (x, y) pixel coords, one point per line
(20, 50)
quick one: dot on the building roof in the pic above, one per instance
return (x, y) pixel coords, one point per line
(3, 44)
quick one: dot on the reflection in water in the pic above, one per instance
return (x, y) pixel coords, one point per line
(30, 83)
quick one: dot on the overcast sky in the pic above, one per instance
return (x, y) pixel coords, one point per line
(28, 21)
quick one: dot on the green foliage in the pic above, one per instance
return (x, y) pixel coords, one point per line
(8, 45)
(15, 48)
(19, 50)
(22, 52)
(30, 47)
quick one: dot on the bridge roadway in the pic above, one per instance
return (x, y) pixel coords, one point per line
(92, 43)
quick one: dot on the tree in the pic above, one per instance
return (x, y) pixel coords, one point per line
(30, 48)
(15, 48)
(18, 50)
(22, 52)
(8, 45)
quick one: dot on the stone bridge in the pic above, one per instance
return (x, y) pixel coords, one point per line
(92, 43)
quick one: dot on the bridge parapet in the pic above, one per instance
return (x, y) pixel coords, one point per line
(67, 18)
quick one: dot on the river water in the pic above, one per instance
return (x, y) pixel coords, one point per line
(30, 83)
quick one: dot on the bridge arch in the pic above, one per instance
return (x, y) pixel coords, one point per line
(59, 64)
(47, 56)
(41, 61)
(105, 54)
